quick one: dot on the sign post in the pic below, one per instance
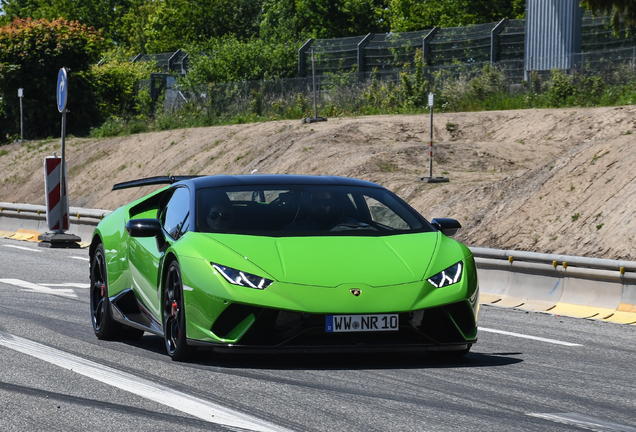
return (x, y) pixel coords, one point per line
(21, 95)
(62, 96)
(430, 178)
(58, 220)
(315, 118)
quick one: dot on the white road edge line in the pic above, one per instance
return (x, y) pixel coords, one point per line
(80, 258)
(537, 338)
(28, 286)
(24, 248)
(67, 284)
(584, 421)
(174, 399)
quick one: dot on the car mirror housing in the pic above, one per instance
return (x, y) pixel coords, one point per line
(147, 228)
(144, 227)
(447, 226)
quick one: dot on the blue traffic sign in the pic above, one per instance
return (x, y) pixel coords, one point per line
(62, 90)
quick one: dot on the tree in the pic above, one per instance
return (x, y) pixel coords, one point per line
(100, 14)
(412, 15)
(299, 19)
(619, 10)
(176, 23)
(31, 54)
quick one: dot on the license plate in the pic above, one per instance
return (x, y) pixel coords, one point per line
(362, 323)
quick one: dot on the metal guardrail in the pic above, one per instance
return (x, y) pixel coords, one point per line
(564, 261)
(30, 211)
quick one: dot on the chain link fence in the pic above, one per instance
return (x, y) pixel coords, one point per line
(349, 70)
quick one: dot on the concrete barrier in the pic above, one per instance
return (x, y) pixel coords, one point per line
(558, 284)
(530, 286)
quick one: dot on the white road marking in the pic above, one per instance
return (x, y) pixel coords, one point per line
(174, 399)
(583, 421)
(519, 335)
(80, 258)
(24, 248)
(72, 285)
(28, 286)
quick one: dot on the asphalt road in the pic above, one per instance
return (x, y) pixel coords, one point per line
(571, 375)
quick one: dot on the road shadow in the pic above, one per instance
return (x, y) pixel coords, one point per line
(353, 361)
(337, 361)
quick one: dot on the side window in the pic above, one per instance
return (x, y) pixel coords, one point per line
(175, 216)
(383, 215)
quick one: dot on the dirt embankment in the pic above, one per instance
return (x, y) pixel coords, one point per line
(556, 181)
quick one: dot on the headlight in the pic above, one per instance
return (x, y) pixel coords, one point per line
(447, 277)
(237, 277)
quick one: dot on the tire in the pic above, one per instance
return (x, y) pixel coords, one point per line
(104, 326)
(174, 322)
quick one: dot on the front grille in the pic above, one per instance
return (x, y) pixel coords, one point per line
(277, 328)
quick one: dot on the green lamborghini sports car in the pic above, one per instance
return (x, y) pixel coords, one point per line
(281, 263)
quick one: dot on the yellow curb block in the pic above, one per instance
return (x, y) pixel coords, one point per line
(488, 298)
(34, 234)
(6, 234)
(509, 302)
(21, 236)
(579, 311)
(622, 318)
(537, 305)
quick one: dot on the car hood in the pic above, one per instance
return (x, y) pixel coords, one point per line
(332, 261)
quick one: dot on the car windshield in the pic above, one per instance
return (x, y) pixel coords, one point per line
(305, 211)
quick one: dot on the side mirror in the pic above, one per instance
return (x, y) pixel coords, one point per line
(147, 228)
(447, 226)
(143, 227)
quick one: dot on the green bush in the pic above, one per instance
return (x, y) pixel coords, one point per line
(31, 54)
(116, 85)
(228, 60)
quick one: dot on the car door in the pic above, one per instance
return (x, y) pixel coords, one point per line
(145, 257)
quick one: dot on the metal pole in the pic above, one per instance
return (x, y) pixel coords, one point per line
(431, 157)
(21, 122)
(62, 168)
(313, 77)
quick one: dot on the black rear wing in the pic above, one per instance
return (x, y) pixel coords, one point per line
(151, 181)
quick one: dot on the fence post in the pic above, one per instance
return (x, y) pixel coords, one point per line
(176, 53)
(184, 63)
(360, 51)
(426, 49)
(494, 40)
(301, 57)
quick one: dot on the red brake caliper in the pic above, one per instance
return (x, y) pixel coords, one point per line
(103, 289)
(175, 308)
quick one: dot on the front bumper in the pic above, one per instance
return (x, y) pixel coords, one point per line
(448, 327)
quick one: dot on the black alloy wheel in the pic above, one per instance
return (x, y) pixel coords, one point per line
(174, 324)
(104, 326)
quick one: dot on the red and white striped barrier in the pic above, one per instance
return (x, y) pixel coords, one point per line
(56, 205)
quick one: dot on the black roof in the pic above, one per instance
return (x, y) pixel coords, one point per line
(275, 180)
